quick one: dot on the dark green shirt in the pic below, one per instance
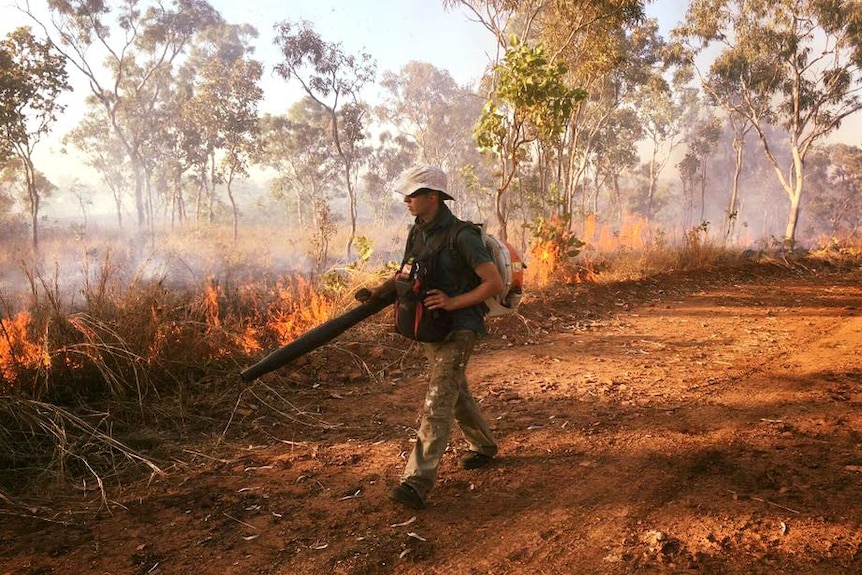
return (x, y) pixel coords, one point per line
(454, 273)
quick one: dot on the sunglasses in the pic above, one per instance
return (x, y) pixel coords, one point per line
(420, 192)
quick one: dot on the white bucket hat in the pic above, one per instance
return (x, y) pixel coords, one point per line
(422, 176)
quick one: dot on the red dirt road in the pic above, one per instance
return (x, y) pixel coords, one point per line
(707, 423)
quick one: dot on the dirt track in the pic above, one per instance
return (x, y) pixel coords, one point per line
(698, 424)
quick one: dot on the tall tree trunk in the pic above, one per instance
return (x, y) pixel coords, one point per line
(795, 201)
(616, 202)
(347, 162)
(211, 188)
(500, 198)
(702, 190)
(233, 206)
(139, 188)
(652, 182)
(33, 194)
(732, 216)
(118, 204)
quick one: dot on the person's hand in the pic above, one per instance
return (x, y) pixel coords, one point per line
(437, 299)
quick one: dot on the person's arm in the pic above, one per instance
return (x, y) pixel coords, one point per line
(490, 285)
(377, 292)
(384, 288)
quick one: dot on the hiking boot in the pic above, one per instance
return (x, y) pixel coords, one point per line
(474, 460)
(406, 495)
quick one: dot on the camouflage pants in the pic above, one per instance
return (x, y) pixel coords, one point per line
(448, 399)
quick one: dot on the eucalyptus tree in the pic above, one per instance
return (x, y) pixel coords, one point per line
(608, 49)
(126, 51)
(795, 64)
(241, 127)
(103, 152)
(426, 104)
(334, 79)
(391, 153)
(194, 139)
(175, 145)
(32, 78)
(8, 87)
(584, 37)
(498, 132)
(618, 59)
(15, 182)
(660, 105)
(9, 218)
(740, 127)
(615, 153)
(298, 147)
(702, 137)
(215, 103)
(530, 102)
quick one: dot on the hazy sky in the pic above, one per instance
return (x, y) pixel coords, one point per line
(394, 32)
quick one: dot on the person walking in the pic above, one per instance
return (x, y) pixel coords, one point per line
(464, 280)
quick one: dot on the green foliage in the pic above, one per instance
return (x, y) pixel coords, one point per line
(364, 249)
(32, 77)
(333, 281)
(392, 266)
(532, 100)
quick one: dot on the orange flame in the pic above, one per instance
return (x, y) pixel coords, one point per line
(210, 304)
(543, 263)
(18, 353)
(630, 233)
(591, 224)
(547, 258)
(247, 341)
(299, 308)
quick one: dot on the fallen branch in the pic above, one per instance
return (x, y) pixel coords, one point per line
(764, 501)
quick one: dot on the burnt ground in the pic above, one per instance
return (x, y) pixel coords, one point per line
(690, 423)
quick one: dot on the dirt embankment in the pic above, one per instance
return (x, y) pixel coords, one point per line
(707, 423)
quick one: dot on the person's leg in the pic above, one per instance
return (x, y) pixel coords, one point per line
(447, 360)
(473, 425)
(482, 447)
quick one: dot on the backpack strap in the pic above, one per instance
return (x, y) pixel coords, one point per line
(418, 248)
(453, 232)
(468, 279)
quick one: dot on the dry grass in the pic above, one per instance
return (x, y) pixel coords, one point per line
(43, 439)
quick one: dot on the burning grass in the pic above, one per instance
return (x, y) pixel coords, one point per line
(134, 335)
(19, 352)
(628, 251)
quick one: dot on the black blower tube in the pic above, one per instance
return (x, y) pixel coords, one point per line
(317, 336)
